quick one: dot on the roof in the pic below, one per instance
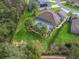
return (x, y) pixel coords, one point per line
(62, 13)
(44, 1)
(75, 25)
(53, 57)
(50, 17)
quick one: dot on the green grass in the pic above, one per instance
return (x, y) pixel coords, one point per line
(55, 9)
(20, 31)
(65, 35)
(25, 35)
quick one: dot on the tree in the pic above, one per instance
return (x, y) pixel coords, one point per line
(33, 5)
(9, 17)
(23, 51)
(7, 24)
(38, 49)
(29, 23)
(44, 29)
(69, 13)
(41, 28)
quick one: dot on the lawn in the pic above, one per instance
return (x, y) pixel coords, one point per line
(21, 33)
(55, 9)
(65, 36)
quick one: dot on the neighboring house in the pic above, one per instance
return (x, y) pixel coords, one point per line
(44, 1)
(51, 19)
(75, 24)
(53, 57)
(44, 4)
(74, 2)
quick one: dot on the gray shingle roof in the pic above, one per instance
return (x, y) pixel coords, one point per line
(44, 1)
(75, 26)
(50, 17)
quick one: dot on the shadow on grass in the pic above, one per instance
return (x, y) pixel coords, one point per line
(52, 40)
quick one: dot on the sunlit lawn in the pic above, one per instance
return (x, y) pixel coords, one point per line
(65, 34)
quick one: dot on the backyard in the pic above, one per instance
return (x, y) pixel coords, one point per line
(23, 34)
(63, 35)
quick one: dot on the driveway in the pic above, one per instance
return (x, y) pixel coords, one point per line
(66, 8)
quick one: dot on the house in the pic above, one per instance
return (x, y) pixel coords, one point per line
(74, 2)
(44, 1)
(53, 57)
(51, 19)
(75, 24)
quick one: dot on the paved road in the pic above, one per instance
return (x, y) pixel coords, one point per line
(66, 8)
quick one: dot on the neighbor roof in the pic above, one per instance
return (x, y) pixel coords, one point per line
(53, 57)
(44, 1)
(50, 17)
(75, 26)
